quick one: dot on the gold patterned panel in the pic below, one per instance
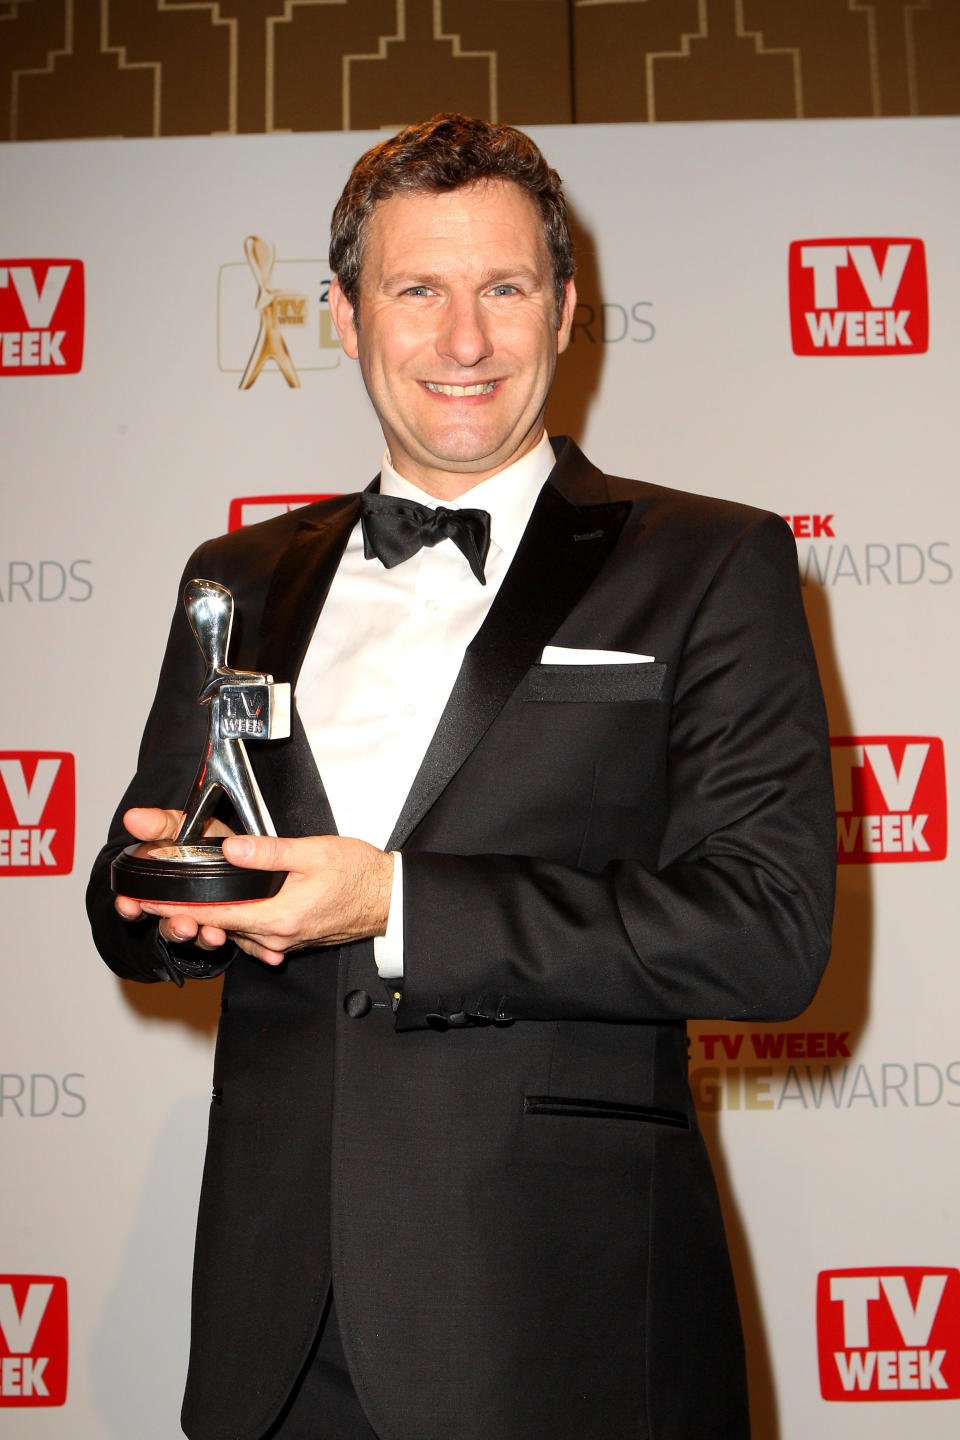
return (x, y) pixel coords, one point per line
(531, 41)
(331, 63)
(85, 88)
(250, 20)
(889, 51)
(305, 50)
(188, 41)
(73, 68)
(934, 48)
(417, 69)
(28, 31)
(834, 44)
(724, 71)
(611, 42)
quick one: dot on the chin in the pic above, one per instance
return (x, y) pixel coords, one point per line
(474, 450)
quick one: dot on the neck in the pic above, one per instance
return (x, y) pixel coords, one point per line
(452, 484)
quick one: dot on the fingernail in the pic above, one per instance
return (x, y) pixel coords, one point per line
(241, 848)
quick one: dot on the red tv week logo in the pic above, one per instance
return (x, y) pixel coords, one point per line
(889, 1334)
(41, 317)
(37, 812)
(858, 297)
(33, 1340)
(891, 797)
(810, 527)
(249, 509)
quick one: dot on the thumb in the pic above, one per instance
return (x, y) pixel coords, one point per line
(257, 852)
(148, 823)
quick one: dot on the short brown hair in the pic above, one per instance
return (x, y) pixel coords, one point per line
(446, 153)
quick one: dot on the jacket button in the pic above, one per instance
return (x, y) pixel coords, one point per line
(458, 1019)
(356, 1003)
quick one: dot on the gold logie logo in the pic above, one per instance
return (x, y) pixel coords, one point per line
(294, 331)
(276, 308)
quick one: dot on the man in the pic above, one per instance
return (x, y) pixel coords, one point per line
(451, 1129)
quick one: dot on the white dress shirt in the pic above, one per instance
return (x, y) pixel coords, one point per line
(386, 651)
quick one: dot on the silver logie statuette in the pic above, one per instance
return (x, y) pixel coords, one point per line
(241, 705)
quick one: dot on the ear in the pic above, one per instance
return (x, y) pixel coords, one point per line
(341, 312)
(566, 317)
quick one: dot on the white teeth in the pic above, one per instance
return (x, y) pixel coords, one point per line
(460, 389)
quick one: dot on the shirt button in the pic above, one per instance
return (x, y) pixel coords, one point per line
(432, 606)
(410, 709)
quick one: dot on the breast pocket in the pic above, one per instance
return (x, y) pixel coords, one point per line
(569, 683)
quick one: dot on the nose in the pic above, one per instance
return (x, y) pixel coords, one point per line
(464, 335)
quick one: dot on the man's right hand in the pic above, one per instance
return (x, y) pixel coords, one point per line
(145, 823)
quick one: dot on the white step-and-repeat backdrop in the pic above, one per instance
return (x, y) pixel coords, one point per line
(768, 312)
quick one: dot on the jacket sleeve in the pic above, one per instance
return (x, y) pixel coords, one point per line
(169, 753)
(734, 920)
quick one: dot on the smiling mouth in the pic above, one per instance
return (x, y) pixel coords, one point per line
(459, 391)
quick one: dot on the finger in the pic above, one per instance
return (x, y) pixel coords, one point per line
(127, 908)
(259, 852)
(257, 951)
(149, 823)
(179, 929)
(246, 916)
(270, 957)
(216, 828)
(210, 937)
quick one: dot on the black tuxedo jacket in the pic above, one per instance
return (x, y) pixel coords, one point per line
(499, 1167)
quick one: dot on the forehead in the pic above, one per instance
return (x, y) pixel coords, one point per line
(490, 223)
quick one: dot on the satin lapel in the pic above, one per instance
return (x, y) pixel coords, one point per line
(286, 770)
(301, 579)
(562, 549)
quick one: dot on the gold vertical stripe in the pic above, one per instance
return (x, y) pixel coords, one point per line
(763, 49)
(459, 54)
(911, 53)
(856, 7)
(381, 54)
(272, 22)
(120, 54)
(213, 7)
(47, 69)
(682, 54)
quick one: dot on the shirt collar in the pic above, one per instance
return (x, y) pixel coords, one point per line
(509, 496)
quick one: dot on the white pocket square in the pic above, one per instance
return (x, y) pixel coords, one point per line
(560, 655)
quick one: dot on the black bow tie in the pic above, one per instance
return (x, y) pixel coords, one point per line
(394, 529)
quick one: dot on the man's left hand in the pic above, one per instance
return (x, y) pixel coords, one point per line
(336, 890)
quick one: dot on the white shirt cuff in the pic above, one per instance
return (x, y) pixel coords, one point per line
(388, 948)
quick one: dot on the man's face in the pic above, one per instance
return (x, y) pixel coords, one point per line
(458, 338)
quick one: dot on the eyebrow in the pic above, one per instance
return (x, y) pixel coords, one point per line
(489, 277)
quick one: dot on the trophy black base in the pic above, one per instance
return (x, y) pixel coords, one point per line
(188, 875)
